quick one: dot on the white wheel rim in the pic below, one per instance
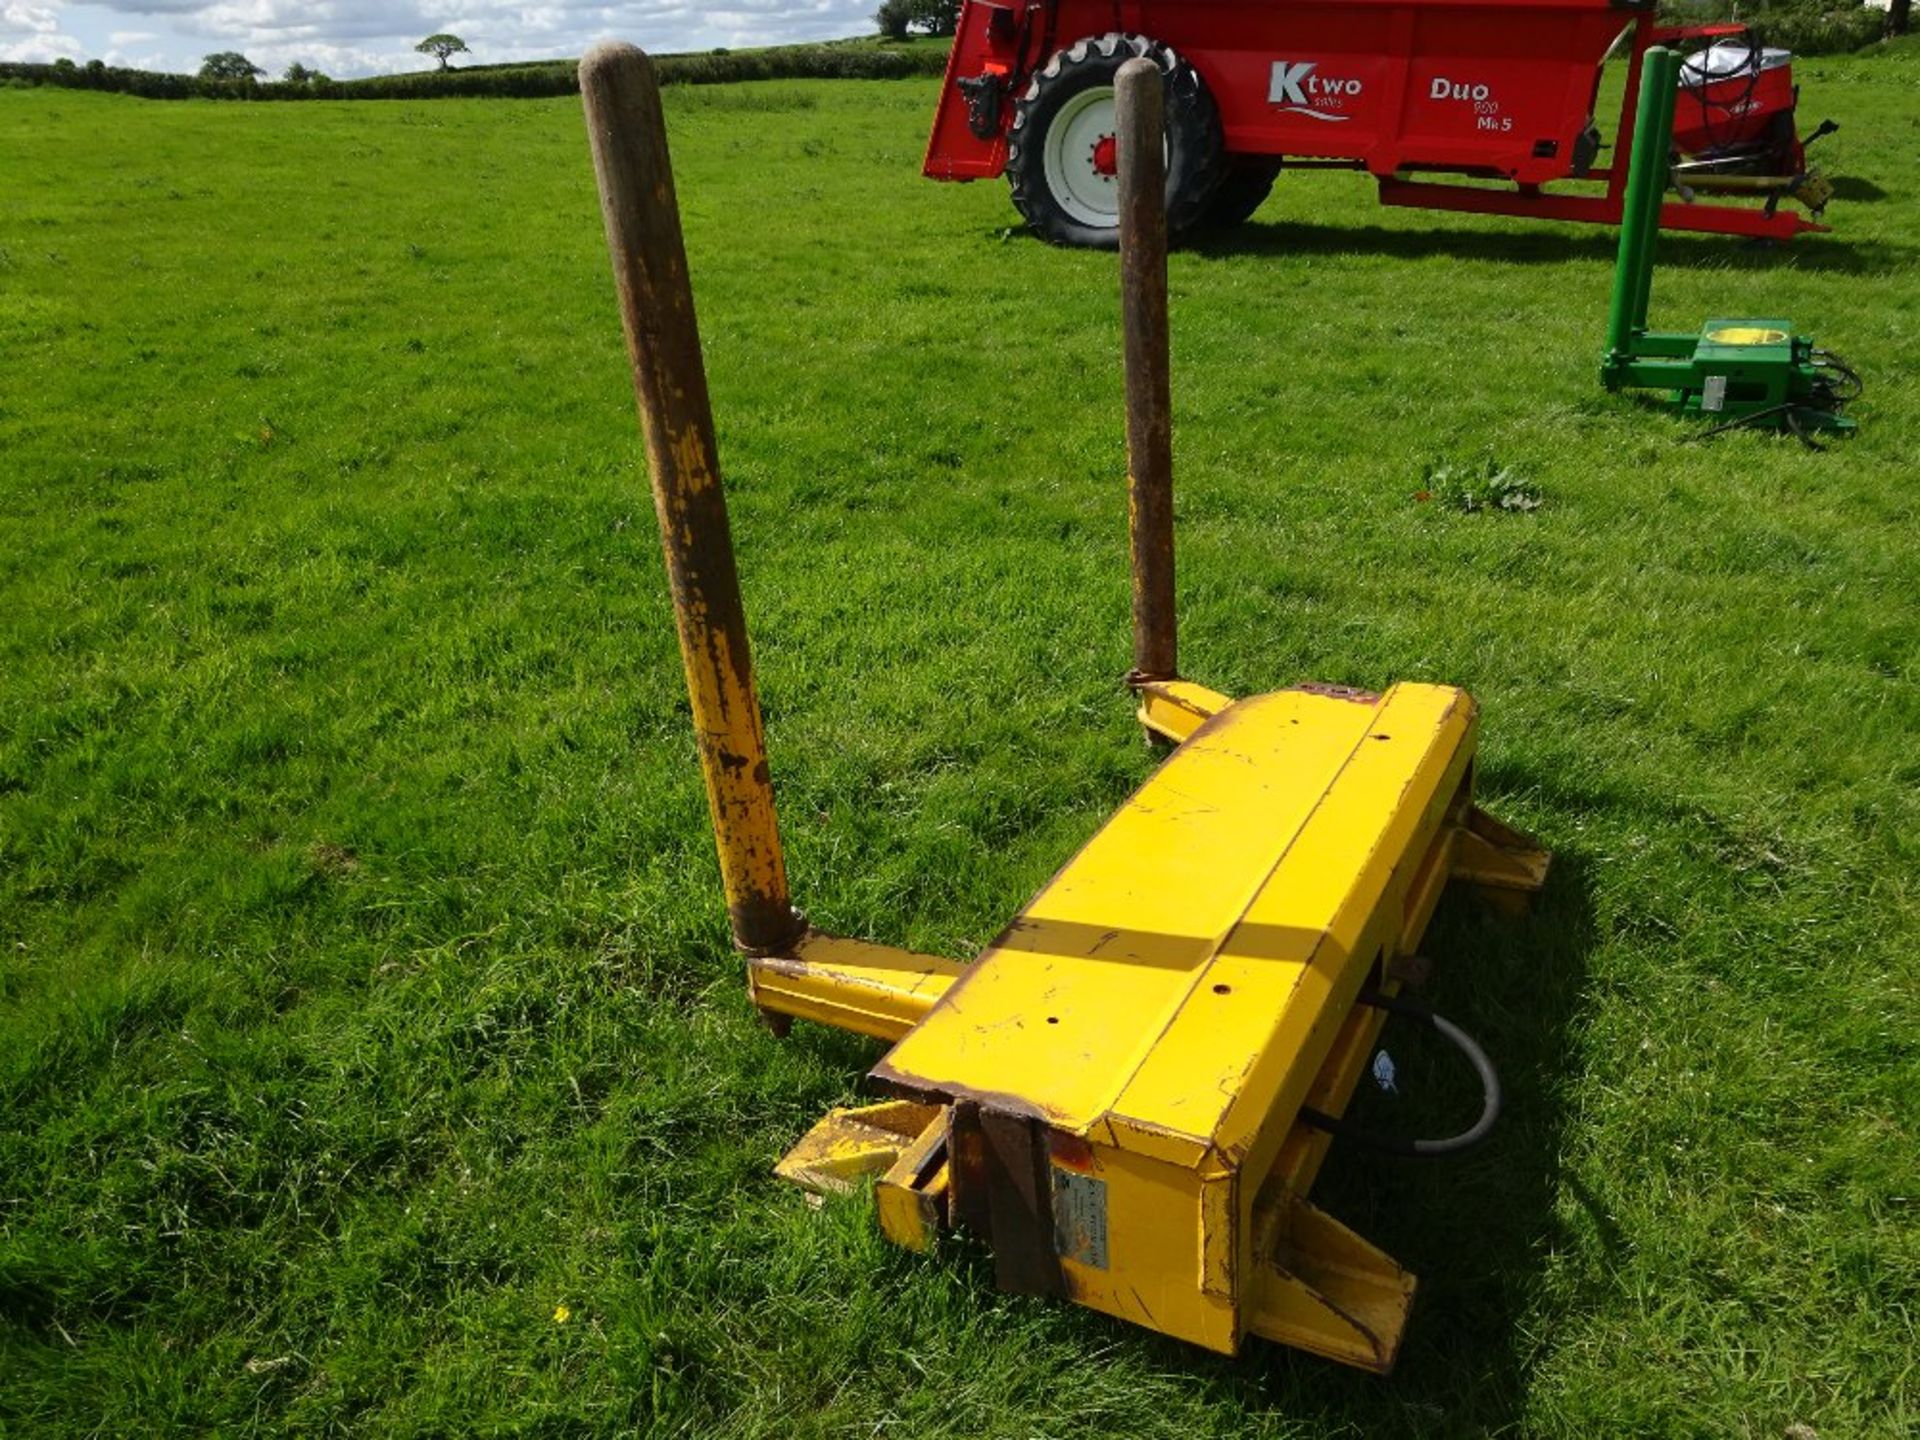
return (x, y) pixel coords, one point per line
(1082, 191)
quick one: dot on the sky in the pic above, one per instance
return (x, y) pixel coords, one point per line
(365, 37)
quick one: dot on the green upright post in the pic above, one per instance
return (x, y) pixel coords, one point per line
(1640, 216)
(1668, 78)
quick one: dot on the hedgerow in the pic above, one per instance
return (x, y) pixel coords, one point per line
(861, 61)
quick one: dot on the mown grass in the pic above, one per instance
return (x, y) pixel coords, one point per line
(365, 993)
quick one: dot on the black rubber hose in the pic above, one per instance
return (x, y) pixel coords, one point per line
(1422, 1149)
(1827, 360)
(1800, 431)
(1741, 423)
(1756, 62)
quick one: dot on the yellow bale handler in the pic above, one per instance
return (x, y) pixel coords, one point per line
(1127, 1096)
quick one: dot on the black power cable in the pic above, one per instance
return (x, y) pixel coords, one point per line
(1837, 386)
(1828, 361)
(1754, 65)
(1400, 1145)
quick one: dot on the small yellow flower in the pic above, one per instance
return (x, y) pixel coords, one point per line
(561, 1314)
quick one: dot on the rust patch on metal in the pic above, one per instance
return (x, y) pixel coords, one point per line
(967, 1153)
(914, 1087)
(1337, 692)
(1020, 1204)
(765, 915)
(1070, 1152)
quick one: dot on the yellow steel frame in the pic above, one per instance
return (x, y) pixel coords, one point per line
(1111, 1093)
(1149, 1026)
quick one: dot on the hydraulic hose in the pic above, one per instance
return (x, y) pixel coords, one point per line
(1398, 1144)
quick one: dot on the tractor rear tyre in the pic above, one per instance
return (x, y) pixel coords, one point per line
(1245, 183)
(1060, 149)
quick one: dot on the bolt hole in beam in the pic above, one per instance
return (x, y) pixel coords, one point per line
(1053, 1019)
(1223, 989)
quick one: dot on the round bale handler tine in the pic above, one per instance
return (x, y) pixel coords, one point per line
(1171, 709)
(635, 176)
(1140, 103)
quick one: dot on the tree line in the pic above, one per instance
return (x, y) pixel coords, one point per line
(231, 65)
(860, 60)
(898, 18)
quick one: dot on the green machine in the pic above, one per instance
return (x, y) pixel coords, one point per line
(1739, 371)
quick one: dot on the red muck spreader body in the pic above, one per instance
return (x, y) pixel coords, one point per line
(1501, 93)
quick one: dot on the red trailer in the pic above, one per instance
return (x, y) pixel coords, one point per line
(1499, 92)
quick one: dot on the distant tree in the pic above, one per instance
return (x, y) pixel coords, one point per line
(228, 65)
(893, 17)
(1899, 15)
(296, 74)
(936, 17)
(441, 46)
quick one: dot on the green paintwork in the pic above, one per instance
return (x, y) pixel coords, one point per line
(1640, 220)
(1774, 380)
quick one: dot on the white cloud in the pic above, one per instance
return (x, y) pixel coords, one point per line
(357, 37)
(33, 32)
(35, 19)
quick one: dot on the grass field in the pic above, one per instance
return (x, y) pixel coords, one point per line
(366, 1002)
